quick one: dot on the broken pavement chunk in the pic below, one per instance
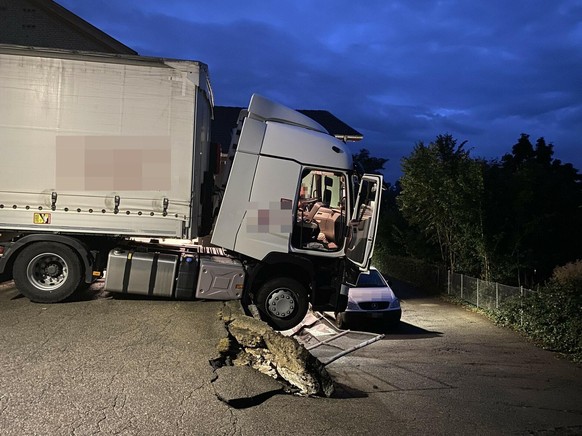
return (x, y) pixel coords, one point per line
(272, 353)
(296, 365)
(249, 332)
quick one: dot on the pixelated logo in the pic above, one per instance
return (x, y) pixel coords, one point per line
(41, 218)
(271, 217)
(113, 163)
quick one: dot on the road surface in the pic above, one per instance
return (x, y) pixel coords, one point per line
(109, 365)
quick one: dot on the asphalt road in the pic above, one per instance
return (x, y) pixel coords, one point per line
(109, 365)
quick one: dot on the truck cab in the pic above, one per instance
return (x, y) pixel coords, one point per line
(294, 209)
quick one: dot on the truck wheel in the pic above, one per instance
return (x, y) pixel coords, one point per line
(282, 302)
(47, 272)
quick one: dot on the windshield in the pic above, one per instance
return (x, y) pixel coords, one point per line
(371, 280)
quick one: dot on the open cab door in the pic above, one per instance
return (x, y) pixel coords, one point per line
(362, 227)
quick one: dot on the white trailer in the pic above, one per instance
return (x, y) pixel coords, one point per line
(98, 150)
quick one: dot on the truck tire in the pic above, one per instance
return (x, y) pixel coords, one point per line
(282, 302)
(47, 272)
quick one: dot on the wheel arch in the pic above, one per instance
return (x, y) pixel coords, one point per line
(78, 246)
(281, 265)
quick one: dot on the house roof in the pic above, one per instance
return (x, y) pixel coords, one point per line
(333, 125)
(84, 29)
(225, 119)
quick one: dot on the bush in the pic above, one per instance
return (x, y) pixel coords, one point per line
(550, 316)
(509, 313)
(571, 273)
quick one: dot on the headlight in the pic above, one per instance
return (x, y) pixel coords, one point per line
(395, 303)
(352, 305)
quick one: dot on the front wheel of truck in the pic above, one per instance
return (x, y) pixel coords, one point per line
(47, 272)
(282, 302)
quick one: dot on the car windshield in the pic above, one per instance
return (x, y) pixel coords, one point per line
(371, 280)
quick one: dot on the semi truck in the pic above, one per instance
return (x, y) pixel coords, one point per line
(108, 172)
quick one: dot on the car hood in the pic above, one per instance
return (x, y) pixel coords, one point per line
(372, 294)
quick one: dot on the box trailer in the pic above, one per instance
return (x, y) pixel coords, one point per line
(106, 158)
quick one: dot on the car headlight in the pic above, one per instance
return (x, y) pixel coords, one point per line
(352, 305)
(395, 303)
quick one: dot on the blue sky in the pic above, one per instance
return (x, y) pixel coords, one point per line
(399, 71)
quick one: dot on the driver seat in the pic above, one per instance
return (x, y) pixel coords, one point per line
(307, 229)
(310, 216)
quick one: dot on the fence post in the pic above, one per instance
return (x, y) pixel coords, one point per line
(496, 295)
(449, 282)
(521, 305)
(462, 286)
(477, 293)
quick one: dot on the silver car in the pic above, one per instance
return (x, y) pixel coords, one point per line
(371, 299)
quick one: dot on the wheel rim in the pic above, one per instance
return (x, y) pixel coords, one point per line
(47, 271)
(281, 303)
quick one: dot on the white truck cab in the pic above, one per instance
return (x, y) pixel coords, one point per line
(290, 196)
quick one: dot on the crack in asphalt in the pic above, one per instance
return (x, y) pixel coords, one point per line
(562, 430)
(236, 430)
(547, 409)
(4, 400)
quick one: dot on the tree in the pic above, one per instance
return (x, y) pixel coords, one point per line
(442, 190)
(534, 213)
(369, 164)
(366, 164)
(395, 235)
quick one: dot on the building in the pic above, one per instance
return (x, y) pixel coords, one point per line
(45, 23)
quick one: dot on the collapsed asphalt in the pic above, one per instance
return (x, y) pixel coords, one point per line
(85, 364)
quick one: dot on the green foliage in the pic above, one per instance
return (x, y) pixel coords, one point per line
(550, 316)
(369, 164)
(396, 236)
(511, 221)
(533, 213)
(571, 273)
(442, 190)
(509, 313)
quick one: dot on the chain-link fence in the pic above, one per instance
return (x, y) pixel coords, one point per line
(430, 278)
(481, 293)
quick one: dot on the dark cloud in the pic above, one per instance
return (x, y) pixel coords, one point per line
(399, 71)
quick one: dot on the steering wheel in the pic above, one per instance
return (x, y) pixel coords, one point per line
(308, 202)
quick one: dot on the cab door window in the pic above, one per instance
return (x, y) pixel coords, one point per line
(364, 221)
